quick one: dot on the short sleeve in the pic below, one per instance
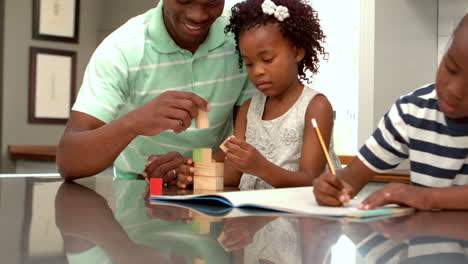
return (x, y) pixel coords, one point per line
(104, 88)
(388, 145)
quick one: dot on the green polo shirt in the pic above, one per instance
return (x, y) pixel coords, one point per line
(140, 61)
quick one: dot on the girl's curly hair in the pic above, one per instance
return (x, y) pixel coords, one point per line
(302, 27)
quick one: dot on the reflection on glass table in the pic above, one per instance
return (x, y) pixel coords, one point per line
(137, 231)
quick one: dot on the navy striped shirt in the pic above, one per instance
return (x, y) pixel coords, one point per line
(416, 129)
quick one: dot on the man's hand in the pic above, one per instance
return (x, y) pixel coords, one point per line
(330, 190)
(170, 111)
(398, 193)
(163, 166)
(244, 157)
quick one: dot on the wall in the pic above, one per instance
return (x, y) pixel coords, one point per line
(450, 13)
(117, 12)
(404, 55)
(97, 19)
(18, 40)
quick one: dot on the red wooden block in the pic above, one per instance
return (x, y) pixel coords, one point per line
(156, 186)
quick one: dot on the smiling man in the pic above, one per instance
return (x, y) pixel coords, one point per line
(143, 87)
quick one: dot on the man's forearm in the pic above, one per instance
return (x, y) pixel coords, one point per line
(86, 153)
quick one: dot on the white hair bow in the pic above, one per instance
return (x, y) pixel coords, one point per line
(280, 12)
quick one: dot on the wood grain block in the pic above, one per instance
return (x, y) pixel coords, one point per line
(209, 169)
(208, 183)
(202, 120)
(198, 261)
(223, 147)
(221, 237)
(202, 217)
(201, 227)
(202, 155)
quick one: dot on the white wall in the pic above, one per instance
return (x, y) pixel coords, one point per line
(450, 13)
(405, 50)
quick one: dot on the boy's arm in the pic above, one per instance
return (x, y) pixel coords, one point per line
(422, 198)
(337, 190)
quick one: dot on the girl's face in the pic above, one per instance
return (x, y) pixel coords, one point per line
(271, 60)
(452, 76)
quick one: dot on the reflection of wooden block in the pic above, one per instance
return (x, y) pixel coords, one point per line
(198, 261)
(221, 237)
(202, 155)
(208, 183)
(202, 119)
(201, 226)
(209, 169)
(201, 217)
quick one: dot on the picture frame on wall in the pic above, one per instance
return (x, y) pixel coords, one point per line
(56, 20)
(52, 85)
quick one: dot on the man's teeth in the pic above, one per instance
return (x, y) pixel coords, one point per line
(192, 27)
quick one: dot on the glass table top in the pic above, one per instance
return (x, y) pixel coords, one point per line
(101, 220)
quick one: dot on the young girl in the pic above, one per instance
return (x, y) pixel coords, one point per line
(274, 143)
(430, 128)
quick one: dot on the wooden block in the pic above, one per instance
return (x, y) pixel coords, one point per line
(208, 183)
(202, 217)
(201, 227)
(202, 155)
(221, 237)
(156, 186)
(223, 147)
(202, 191)
(209, 169)
(202, 119)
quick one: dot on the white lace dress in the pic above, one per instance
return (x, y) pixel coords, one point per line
(279, 140)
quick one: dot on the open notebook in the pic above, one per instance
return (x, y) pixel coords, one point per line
(298, 200)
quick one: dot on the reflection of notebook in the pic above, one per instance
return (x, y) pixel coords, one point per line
(298, 200)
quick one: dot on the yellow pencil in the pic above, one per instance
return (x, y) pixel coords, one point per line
(324, 148)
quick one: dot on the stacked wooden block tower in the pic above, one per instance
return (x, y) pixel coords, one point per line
(208, 175)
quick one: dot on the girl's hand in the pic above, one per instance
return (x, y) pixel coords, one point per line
(244, 157)
(398, 193)
(239, 232)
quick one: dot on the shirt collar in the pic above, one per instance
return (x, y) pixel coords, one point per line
(163, 42)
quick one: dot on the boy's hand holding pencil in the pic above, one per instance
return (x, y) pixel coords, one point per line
(329, 189)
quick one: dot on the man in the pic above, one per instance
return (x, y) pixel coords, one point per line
(143, 87)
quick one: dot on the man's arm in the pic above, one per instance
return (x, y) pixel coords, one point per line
(88, 145)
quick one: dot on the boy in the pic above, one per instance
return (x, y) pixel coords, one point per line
(430, 128)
